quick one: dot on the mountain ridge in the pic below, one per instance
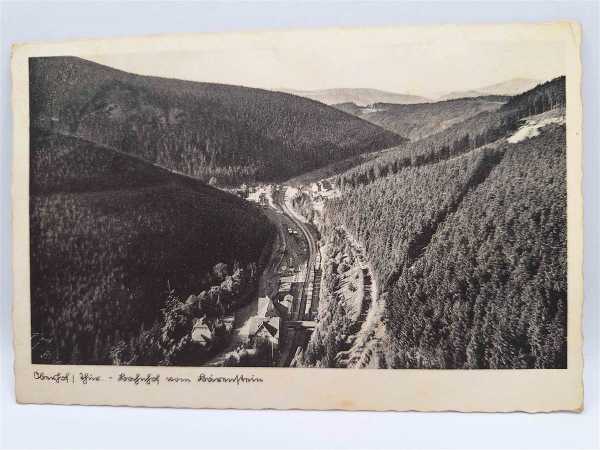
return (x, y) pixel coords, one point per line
(122, 231)
(418, 121)
(231, 133)
(359, 96)
(510, 87)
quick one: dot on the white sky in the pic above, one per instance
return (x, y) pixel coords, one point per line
(427, 61)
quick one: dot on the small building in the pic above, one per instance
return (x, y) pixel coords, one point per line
(265, 330)
(264, 327)
(287, 303)
(269, 331)
(265, 307)
(201, 332)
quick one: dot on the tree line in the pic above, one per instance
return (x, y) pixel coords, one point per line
(168, 341)
(491, 288)
(471, 254)
(102, 252)
(206, 130)
(482, 129)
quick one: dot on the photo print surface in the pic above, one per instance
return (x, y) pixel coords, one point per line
(389, 203)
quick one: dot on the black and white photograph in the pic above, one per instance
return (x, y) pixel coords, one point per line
(304, 225)
(281, 211)
(402, 209)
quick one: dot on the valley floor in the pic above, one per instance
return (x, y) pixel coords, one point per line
(296, 268)
(284, 273)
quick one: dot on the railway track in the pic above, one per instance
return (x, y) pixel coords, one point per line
(299, 336)
(300, 310)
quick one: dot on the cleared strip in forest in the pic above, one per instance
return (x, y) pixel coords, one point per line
(497, 135)
(487, 127)
(416, 248)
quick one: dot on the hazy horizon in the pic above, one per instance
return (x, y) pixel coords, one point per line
(388, 60)
(430, 97)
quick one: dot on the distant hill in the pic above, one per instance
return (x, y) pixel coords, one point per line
(456, 222)
(451, 240)
(473, 132)
(511, 87)
(454, 136)
(420, 120)
(359, 96)
(232, 133)
(109, 234)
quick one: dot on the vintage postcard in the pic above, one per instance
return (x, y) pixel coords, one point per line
(357, 219)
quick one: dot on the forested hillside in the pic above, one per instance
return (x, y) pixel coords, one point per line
(490, 290)
(483, 128)
(110, 233)
(471, 253)
(420, 120)
(414, 201)
(230, 133)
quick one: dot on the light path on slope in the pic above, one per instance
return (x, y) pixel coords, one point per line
(533, 124)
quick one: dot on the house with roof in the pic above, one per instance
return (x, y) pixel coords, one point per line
(201, 332)
(265, 331)
(286, 305)
(264, 327)
(265, 307)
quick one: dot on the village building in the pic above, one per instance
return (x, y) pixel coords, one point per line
(265, 331)
(265, 307)
(201, 332)
(264, 327)
(286, 305)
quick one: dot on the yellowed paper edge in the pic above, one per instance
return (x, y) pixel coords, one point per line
(345, 389)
